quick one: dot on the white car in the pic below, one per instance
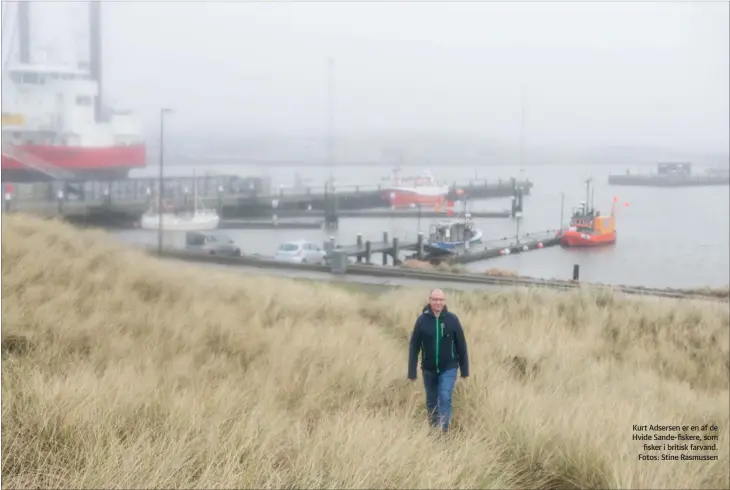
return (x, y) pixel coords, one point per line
(301, 252)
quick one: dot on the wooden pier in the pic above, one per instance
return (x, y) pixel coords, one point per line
(363, 250)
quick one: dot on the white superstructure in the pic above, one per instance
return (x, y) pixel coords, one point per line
(54, 105)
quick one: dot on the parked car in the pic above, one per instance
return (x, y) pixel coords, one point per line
(214, 243)
(301, 252)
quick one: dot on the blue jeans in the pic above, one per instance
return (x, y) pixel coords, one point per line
(439, 388)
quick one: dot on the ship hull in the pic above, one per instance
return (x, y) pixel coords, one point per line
(205, 221)
(88, 163)
(405, 197)
(475, 240)
(578, 239)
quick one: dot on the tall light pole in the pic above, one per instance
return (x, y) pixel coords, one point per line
(522, 128)
(330, 115)
(163, 111)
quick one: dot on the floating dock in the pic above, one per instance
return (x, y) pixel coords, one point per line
(511, 248)
(493, 248)
(232, 196)
(389, 213)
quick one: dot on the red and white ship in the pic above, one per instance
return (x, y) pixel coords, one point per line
(421, 190)
(54, 125)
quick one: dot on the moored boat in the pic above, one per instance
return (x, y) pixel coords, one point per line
(55, 123)
(200, 219)
(588, 228)
(420, 190)
(454, 233)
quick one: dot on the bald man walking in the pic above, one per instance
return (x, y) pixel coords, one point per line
(439, 337)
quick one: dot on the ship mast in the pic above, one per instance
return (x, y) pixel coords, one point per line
(95, 55)
(24, 32)
(522, 128)
(589, 203)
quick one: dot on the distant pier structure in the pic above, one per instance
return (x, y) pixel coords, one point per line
(672, 174)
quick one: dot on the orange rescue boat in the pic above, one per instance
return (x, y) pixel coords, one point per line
(588, 228)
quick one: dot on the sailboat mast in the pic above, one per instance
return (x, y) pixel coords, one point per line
(195, 193)
(522, 127)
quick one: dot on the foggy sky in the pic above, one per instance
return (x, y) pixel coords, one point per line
(593, 74)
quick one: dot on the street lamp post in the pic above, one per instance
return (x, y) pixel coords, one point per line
(163, 111)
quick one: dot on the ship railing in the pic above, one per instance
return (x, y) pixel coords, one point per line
(36, 163)
(304, 190)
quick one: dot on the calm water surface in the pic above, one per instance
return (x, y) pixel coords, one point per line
(666, 237)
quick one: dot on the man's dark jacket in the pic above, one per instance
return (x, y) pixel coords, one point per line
(441, 343)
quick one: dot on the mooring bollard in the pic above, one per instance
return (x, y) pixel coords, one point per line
(576, 272)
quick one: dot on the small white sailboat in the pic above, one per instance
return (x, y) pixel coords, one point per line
(201, 219)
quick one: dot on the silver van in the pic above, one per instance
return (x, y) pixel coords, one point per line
(213, 243)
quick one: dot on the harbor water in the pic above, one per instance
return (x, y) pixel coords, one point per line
(667, 237)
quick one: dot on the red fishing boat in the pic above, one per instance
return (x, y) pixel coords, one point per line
(588, 228)
(419, 190)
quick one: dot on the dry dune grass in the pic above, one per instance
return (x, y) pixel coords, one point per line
(120, 370)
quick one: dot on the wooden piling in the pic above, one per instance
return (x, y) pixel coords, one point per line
(385, 254)
(419, 247)
(368, 251)
(359, 247)
(394, 251)
(576, 272)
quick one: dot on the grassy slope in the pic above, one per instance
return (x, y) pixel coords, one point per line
(120, 370)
